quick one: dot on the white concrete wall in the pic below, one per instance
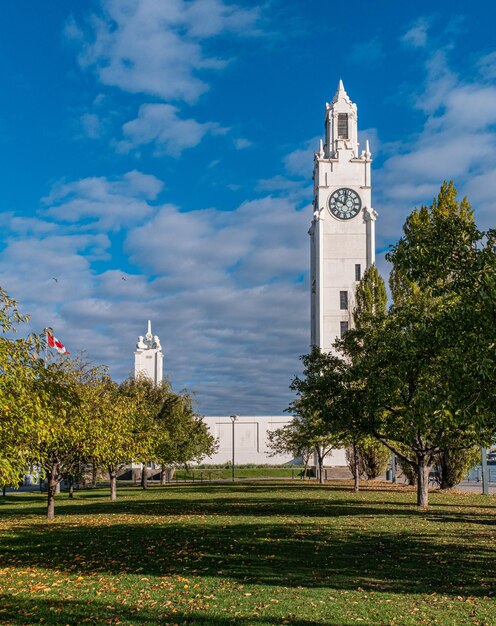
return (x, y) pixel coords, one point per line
(250, 441)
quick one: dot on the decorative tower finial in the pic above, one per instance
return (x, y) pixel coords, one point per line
(341, 125)
(149, 335)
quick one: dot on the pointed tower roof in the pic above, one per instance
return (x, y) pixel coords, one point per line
(340, 93)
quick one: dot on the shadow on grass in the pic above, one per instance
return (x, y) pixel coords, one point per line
(255, 500)
(24, 611)
(288, 554)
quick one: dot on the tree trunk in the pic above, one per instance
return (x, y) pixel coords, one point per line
(144, 477)
(57, 488)
(320, 460)
(53, 483)
(356, 469)
(163, 474)
(113, 483)
(422, 482)
(71, 486)
(4, 491)
(444, 482)
(94, 476)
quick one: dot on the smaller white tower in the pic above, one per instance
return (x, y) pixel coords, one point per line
(148, 358)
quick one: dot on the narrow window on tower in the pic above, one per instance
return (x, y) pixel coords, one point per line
(343, 328)
(358, 272)
(343, 126)
(343, 300)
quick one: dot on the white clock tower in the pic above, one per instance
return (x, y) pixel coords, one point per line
(343, 228)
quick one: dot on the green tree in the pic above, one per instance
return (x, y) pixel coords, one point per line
(370, 299)
(453, 464)
(289, 439)
(113, 443)
(182, 436)
(374, 457)
(62, 389)
(19, 406)
(319, 407)
(369, 312)
(420, 393)
(148, 400)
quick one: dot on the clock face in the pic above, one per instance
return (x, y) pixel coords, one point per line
(344, 203)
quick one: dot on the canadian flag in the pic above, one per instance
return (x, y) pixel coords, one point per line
(53, 342)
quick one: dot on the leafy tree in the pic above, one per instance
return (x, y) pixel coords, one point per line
(374, 457)
(19, 408)
(421, 394)
(182, 436)
(112, 436)
(370, 299)
(369, 312)
(319, 405)
(289, 439)
(62, 389)
(453, 464)
(148, 400)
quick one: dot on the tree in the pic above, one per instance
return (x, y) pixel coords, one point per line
(420, 393)
(63, 391)
(453, 464)
(19, 409)
(370, 299)
(369, 312)
(148, 400)
(374, 457)
(182, 436)
(112, 436)
(289, 439)
(319, 407)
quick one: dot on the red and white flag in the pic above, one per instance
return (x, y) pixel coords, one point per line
(53, 342)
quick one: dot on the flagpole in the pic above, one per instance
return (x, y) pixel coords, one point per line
(46, 347)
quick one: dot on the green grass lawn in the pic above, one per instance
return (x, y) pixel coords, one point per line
(249, 554)
(240, 472)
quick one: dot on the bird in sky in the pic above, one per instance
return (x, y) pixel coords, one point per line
(56, 280)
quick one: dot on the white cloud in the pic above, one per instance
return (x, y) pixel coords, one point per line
(145, 46)
(416, 36)
(487, 65)
(372, 135)
(456, 143)
(91, 125)
(299, 162)
(262, 241)
(102, 202)
(160, 125)
(242, 143)
(223, 289)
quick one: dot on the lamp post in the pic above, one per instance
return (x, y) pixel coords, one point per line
(485, 471)
(233, 420)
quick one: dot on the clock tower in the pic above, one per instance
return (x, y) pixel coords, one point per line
(343, 227)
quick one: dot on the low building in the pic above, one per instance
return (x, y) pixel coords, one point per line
(251, 441)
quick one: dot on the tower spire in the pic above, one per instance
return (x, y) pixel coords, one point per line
(149, 331)
(340, 93)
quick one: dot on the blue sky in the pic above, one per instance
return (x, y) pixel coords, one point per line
(157, 161)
